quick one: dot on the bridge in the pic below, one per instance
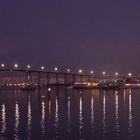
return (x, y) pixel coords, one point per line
(42, 77)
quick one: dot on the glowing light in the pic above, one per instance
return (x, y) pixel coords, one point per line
(132, 84)
(89, 84)
(68, 70)
(28, 66)
(80, 71)
(116, 74)
(16, 65)
(129, 74)
(42, 68)
(56, 69)
(104, 73)
(91, 72)
(49, 89)
(2, 65)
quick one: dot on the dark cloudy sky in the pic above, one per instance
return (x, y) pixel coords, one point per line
(95, 34)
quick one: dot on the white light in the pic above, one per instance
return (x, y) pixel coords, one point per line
(28, 66)
(104, 73)
(91, 72)
(80, 71)
(16, 65)
(129, 74)
(68, 70)
(2, 65)
(42, 68)
(116, 74)
(49, 89)
(56, 69)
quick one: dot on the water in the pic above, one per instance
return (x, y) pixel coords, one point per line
(66, 114)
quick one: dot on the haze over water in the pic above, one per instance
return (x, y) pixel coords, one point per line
(67, 114)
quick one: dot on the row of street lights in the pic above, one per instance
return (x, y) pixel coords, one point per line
(117, 74)
(43, 68)
(80, 71)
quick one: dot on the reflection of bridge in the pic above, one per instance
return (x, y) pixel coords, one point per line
(42, 77)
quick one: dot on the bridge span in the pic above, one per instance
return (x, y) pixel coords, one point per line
(42, 77)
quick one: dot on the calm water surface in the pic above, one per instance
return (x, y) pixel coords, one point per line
(67, 114)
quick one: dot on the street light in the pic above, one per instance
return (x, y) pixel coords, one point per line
(42, 68)
(116, 74)
(49, 89)
(129, 74)
(2, 65)
(91, 72)
(68, 70)
(104, 73)
(80, 71)
(56, 69)
(16, 65)
(28, 66)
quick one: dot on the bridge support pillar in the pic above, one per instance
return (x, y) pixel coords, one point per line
(39, 80)
(73, 79)
(89, 78)
(57, 78)
(48, 78)
(81, 78)
(65, 79)
(28, 78)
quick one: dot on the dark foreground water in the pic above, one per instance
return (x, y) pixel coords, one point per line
(67, 114)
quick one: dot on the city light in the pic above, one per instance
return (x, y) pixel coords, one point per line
(129, 74)
(49, 89)
(2, 65)
(28, 66)
(68, 70)
(116, 74)
(80, 71)
(56, 69)
(104, 73)
(91, 72)
(16, 65)
(42, 68)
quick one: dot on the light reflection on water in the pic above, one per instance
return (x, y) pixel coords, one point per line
(70, 114)
(29, 119)
(117, 125)
(43, 117)
(130, 117)
(17, 116)
(81, 117)
(3, 121)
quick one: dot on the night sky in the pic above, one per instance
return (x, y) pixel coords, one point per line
(103, 35)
